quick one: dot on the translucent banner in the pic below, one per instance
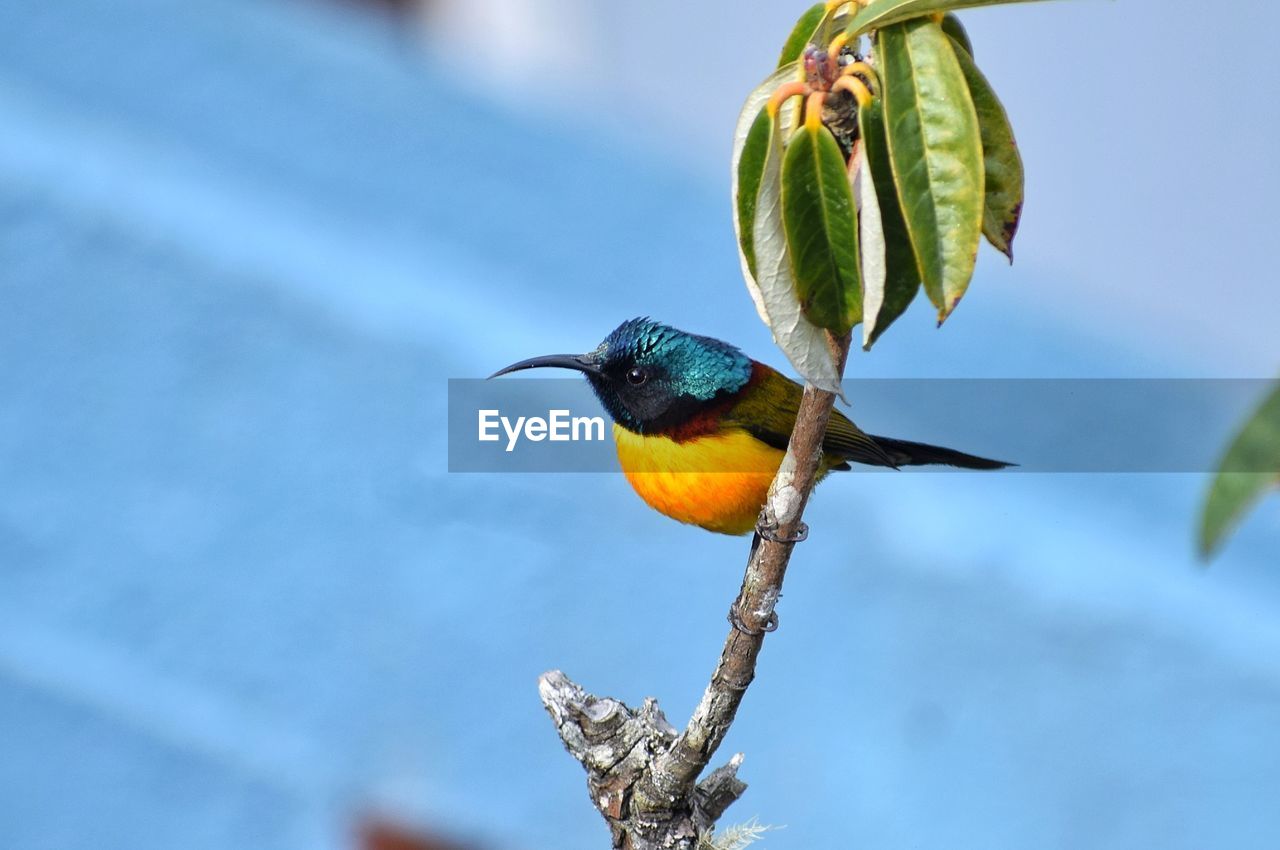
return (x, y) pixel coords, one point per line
(1073, 426)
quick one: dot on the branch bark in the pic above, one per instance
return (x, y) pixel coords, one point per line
(642, 775)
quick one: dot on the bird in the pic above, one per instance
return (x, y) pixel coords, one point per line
(701, 428)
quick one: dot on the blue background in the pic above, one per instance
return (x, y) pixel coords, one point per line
(243, 246)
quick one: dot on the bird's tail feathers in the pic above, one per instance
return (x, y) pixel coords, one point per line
(907, 453)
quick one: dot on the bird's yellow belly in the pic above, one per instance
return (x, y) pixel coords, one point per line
(718, 482)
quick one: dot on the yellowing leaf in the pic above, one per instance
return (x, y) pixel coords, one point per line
(1005, 179)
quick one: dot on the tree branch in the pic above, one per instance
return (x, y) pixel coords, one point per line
(641, 774)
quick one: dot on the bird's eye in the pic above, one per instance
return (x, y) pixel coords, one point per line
(637, 376)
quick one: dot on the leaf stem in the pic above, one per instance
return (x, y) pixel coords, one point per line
(813, 111)
(783, 93)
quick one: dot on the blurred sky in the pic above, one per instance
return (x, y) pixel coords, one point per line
(246, 242)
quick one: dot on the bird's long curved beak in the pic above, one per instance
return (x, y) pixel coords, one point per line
(577, 362)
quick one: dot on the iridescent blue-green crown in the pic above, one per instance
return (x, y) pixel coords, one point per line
(697, 366)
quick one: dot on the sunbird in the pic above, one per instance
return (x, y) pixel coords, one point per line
(701, 428)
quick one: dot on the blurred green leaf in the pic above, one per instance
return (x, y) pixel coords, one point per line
(882, 13)
(772, 285)
(902, 274)
(802, 34)
(1247, 472)
(1005, 178)
(951, 26)
(822, 229)
(936, 152)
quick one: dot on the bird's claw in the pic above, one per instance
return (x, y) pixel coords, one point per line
(769, 531)
(735, 620)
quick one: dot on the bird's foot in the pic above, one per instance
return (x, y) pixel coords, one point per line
(735, 620)
(769, 531)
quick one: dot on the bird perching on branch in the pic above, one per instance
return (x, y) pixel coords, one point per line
(701, 428)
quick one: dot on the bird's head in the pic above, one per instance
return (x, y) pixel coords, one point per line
(651, 377)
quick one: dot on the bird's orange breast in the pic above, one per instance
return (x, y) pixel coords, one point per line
(717, 481)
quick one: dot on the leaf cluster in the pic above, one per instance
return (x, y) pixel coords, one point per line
(859, 180)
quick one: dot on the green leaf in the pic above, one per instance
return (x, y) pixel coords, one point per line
(762, 244)
(814, 27)
(744, 200)
(951, 26)
(1006, 180)
(822, 230)
(772, 285)
(882, 13)
(802, 34)
(902, 274)
(936, 153)
(756, 101)
(870, 242)
(1248, 470)
(746, 191)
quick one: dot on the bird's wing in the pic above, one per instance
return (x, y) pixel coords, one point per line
(847, 441)
(768, 409)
